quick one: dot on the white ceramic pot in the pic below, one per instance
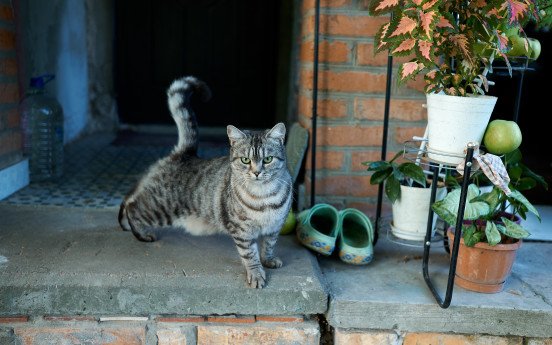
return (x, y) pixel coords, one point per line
(411, 210)
(455, 121)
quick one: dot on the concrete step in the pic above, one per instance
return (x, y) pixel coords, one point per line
(77, 261)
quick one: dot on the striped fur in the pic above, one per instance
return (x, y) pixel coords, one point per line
(246, 195)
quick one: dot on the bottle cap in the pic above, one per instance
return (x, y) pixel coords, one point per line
(40, 81)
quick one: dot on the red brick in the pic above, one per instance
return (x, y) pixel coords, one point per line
(80, 335)
(345, 185)
(193, 319)
(273, 318)
(417, 84)
(6, 13)
(69, 318)
(347, 337)
(335, 51)
(403, 134)
(369, 208)
(12, 319)
(349, 135)
(332, 160)
(365, 156)
(330, 108)
(459, 339)
(213, 335)
(231, 319)
(399, 109)
(349, 81)
(7, 40)
(176, 336)
(8, 67)
(10, 142)
(366, 56)
(309, 4)
(13, 120)
(9, 93)
(345, 25)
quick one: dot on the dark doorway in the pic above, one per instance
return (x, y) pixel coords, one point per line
(233, 45)
(532, 111)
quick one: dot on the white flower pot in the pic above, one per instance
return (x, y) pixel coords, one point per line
(455, 121)
(411, 210)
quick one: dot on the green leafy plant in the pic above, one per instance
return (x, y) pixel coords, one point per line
(522, 178)
(434, 33)
(545, 15)
(484, 211)
(394, 174)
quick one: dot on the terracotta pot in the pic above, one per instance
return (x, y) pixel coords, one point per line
(483, 268)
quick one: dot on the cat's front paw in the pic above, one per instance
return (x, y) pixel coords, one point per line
(273, 262)
(256, 278)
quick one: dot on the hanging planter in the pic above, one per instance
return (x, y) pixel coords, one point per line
(455, 121)
(411, 210)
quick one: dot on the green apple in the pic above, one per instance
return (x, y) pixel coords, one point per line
(502, 136)
(535, 47)
(519, 47)
(289, 224)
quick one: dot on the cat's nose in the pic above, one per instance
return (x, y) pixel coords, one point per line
(256, 173)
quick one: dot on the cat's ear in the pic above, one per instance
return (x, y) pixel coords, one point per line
(277, 132)
(234, 134)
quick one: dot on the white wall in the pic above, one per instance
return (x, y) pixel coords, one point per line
(53, 40)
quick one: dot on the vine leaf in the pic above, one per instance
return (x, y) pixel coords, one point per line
(386, 4)
(516, 9)
(427, 20)
(406, 26)
(405, 47)
(444, 23)
(424, 47)
(408, 69)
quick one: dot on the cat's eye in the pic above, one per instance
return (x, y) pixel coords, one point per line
(267, 159)
(245, 160)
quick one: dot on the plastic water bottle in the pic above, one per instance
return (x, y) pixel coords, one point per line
(42, 122)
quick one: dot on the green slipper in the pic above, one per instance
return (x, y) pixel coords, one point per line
(355, 239)
(317, 228)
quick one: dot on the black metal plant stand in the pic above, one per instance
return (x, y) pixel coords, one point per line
(444, 303)
(434, 168)
(314, 101)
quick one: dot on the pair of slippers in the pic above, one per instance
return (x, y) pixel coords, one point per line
(320, 227)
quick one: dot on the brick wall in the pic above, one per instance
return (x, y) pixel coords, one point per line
(156, 330)
(10, 133)
(362, 337)
(201, 330)
(351, 101)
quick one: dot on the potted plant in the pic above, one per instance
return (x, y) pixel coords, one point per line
(490, 235)
(453, 43)
(406, 186)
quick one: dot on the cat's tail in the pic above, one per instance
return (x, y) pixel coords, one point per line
(179, 97)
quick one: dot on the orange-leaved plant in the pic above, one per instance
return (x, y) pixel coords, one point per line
(437, 32)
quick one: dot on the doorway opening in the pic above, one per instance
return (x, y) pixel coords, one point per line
(240, 48)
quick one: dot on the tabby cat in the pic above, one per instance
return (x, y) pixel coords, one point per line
(246, 195)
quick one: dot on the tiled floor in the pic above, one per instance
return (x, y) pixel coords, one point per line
(100, 169)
